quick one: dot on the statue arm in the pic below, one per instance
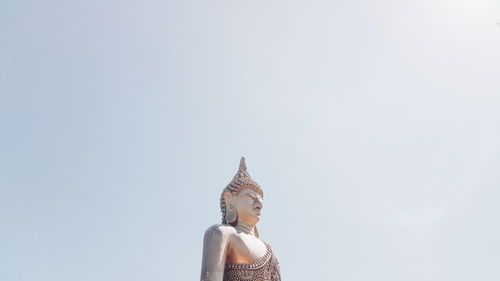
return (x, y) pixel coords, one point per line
(215, 248)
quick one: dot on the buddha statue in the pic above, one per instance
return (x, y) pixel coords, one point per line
(232, 251)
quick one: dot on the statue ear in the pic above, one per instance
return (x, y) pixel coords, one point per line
(231, 214)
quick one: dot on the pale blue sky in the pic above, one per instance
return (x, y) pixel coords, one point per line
(373, 127)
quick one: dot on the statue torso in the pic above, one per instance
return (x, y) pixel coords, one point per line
(250, 259)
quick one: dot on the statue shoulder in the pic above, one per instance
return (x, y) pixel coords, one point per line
(220, 230)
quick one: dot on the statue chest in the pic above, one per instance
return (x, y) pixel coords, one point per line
(245, 249)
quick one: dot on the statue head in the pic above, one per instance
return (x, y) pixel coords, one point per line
(241, 199)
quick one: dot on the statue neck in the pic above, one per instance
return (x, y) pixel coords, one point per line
(246, 228)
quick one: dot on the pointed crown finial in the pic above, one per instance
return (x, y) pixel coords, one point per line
(243, 165)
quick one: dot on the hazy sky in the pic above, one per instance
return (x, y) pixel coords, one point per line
(373, 127)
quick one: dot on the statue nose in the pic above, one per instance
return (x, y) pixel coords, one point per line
(258, 204)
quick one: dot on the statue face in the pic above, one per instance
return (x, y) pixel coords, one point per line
(248, 204)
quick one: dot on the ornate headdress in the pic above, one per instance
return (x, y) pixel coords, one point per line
(241, 179)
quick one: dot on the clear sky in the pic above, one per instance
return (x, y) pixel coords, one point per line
(373, 127)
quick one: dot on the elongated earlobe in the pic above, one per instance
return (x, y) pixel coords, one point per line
(231, 215)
